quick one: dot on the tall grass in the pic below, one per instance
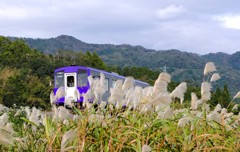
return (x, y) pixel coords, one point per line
(151, 120)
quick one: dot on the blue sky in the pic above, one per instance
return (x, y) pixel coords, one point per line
(201, 27)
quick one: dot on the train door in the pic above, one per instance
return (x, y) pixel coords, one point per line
(70, 86)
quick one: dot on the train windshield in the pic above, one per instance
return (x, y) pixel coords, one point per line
(59, 79)
(82, 78)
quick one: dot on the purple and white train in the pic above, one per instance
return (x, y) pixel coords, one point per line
(70, 79)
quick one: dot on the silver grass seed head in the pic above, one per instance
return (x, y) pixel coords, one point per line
(160, 86)
(168, 113)
(194, 96)
(235, 107)
(6, 139)
(164, 77)
(146, 148)
(77, 94)
(179, 91)
(205, 87)
(184, 121)
(118, 84)
(194, 105)
(218, 108)
(102, 80)
(206, 96)
(138, 90)
(4, 118)
(52, 98)
(237, 95)
(128, 83)
(214, 116)
(67, 138)
(60, 93)
(209, 67)
(90, 80)
(215, 77)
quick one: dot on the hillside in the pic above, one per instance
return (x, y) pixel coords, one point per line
(183, 66)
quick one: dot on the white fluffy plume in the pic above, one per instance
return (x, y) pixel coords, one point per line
(194, 101)
(60, 93)
(215, 77)
(128, 83)
(162, 99)
(235, 107)
(218, 108)
(179, 91)
(237, 95)
(205, 91)
(209, 67)
(205, 87)
(116, 92)
(164, 77)
(194, 96)
(52, 98)
(67, 138)
(160, 86)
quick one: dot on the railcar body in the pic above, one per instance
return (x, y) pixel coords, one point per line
(72, 80)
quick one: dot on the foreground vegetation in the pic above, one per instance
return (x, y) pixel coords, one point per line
(135, 119)
(107, 130)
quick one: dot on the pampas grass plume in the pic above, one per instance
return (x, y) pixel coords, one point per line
(218, 108)
(183, 121)
(164, 77)
(52, 98)
(160, 86)
(128, 83)
(215, 77)
(194, 96)
(102, 80)
(205, 87)
(68, 137)
(146, 148)
(209, 67)
(237, 95)
(214, 117)
(179, 91)
(235, 107)
(60, 93)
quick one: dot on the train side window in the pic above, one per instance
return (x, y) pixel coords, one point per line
(82, 78)
(70, 81)
(59, 79)
(96, 77)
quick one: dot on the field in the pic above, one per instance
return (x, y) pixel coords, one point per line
(135, 119)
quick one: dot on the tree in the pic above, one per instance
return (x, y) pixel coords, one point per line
(221, 97)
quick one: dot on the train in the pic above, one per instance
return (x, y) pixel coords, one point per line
(72, 81)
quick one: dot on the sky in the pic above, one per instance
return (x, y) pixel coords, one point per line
(203, 26)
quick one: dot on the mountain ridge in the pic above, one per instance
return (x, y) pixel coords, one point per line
(183, 66)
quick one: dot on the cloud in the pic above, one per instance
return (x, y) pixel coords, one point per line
(166, 24)
(170, 11)
(230, 20)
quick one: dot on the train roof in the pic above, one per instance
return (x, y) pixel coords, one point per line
(68, 69)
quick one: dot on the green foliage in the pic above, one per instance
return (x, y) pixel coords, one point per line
(25, 73)
(25, 90)
(221, 97)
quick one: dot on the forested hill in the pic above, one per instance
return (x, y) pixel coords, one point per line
(183, 66)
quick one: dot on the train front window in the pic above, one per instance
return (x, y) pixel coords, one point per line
(70, 81)
(59, 79)
(82, 78)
